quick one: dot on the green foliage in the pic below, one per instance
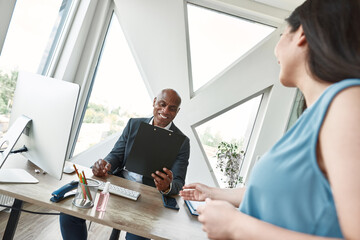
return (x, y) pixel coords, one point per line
(7, 89)
(115, 126)
(209, 139)
(116, 111)
(95, 113)
(98, 108)
(229, 160)
(99, 114)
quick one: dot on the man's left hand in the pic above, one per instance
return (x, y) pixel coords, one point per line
(163, 179)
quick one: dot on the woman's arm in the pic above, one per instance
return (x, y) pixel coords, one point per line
(222, 221)
(339, 158)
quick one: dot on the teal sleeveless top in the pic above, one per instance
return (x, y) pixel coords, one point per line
(286, 187)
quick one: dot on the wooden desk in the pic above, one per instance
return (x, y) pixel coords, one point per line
(146, 217)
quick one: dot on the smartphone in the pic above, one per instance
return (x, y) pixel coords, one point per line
(162, 171)
(170, 202)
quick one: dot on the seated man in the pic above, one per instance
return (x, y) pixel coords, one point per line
(166, 106)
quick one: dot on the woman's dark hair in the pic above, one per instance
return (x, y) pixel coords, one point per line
(332, 30)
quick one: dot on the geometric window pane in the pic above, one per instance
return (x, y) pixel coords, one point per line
(53, 45)
(29, 31)
(233, 126)
(296, 109)
(118, 92)
(217, 40)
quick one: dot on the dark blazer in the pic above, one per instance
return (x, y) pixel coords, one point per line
(120, 152)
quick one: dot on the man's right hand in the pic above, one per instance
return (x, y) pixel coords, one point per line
(101, 168)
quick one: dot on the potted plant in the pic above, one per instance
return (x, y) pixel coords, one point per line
(229, 160)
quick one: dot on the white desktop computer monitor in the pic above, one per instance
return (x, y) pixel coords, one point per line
(47, 106)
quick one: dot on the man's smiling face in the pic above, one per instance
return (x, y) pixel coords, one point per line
(166, 106)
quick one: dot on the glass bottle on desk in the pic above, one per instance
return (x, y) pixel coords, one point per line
(103, 198)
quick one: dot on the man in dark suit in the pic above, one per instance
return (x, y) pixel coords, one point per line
(166, 106)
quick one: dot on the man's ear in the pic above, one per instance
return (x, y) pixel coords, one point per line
(177, 110)
(154, 101)
(301, 36)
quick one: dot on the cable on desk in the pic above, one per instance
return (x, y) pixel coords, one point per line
(23, 149)
(28, 211)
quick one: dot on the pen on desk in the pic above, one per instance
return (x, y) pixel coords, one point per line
(82, 185)
(87, 189)
(76, 170)
(83, 174)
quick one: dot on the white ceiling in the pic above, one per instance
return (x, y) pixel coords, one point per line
(288, 5)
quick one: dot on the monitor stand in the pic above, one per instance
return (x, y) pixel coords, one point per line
(16, 175)
(9, 140)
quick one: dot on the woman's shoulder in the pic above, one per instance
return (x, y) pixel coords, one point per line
(343, 95)
(341, 126)
(348, 99)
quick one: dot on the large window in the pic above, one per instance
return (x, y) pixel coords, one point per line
(118, 91)
(217, 40)
(234, 126)
(34, 30)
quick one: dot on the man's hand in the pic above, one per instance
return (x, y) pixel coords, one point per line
(163, 180)
(100, 168)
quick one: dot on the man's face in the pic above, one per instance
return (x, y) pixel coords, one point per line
(166, 106)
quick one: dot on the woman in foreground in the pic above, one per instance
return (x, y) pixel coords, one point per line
(308, 185)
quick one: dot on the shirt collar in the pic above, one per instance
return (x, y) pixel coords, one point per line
(167, 127)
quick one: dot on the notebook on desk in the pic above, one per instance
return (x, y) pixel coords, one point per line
(153, 149)
(193, 205)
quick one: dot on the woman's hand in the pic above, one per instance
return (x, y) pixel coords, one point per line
(218, 219)
(195, 192)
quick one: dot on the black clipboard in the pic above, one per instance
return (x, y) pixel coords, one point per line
(153, 149)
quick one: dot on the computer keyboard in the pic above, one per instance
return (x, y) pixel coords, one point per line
(120, 191)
